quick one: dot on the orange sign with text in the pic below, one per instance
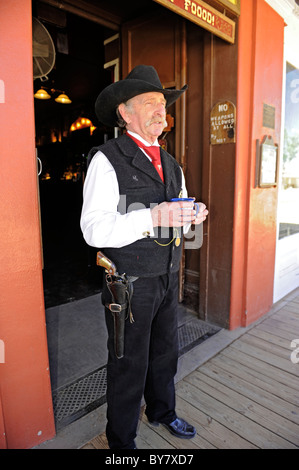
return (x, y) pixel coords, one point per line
(204, 15)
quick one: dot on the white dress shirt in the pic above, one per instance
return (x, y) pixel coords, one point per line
(101, 223)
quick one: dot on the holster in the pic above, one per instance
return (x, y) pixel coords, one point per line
(121, 289)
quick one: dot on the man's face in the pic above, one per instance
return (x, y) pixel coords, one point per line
(145, 114)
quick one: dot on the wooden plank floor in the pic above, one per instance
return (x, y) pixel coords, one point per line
(245, 397)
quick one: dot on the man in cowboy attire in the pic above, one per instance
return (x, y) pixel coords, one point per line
(128, 213)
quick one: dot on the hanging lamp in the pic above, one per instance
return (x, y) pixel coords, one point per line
(42, 94)
(63, 98)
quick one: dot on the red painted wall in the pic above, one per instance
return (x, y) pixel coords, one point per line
(260, 68)
(25, 393)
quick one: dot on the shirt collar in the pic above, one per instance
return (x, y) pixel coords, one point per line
(137, 136)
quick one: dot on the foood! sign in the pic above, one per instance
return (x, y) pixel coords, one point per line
(202, 14)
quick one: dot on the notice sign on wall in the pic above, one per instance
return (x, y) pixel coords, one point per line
(223, 123)
(204, 15)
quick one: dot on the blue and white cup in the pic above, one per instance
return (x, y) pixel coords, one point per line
(180, 199)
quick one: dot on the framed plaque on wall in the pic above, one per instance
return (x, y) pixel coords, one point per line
(266, 163)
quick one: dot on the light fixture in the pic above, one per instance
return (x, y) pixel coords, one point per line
(42, 94)
(63, 98)
(82, 122)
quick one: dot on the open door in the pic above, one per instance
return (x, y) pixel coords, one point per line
(160, 41)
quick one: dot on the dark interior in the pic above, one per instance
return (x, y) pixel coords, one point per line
(69, 264)
(70, 271)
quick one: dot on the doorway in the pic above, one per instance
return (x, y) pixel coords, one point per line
(64, 135)
(85, 64)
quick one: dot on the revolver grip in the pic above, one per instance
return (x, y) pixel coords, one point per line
(106, 263)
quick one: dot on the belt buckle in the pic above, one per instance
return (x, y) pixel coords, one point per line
(115, 308)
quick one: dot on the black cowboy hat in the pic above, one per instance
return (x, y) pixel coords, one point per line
(142, 79)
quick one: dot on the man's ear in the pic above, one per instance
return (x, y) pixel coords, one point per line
(123, 111)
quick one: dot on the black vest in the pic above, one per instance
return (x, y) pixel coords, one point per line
(141, 187)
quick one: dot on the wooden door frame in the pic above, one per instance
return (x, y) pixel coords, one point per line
(180, 51)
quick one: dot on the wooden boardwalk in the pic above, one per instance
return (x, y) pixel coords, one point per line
(245, 397)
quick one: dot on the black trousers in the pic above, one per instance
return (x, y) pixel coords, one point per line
(149, 363)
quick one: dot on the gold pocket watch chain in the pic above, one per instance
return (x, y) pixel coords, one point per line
(176, 238)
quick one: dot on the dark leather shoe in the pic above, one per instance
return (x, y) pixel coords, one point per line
(179, 428)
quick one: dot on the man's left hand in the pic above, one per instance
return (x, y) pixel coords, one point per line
(201, 215)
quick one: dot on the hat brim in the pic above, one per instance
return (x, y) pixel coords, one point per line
(123, 90)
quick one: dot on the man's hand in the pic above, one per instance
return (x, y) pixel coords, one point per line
(177, 214)
(202, 214)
